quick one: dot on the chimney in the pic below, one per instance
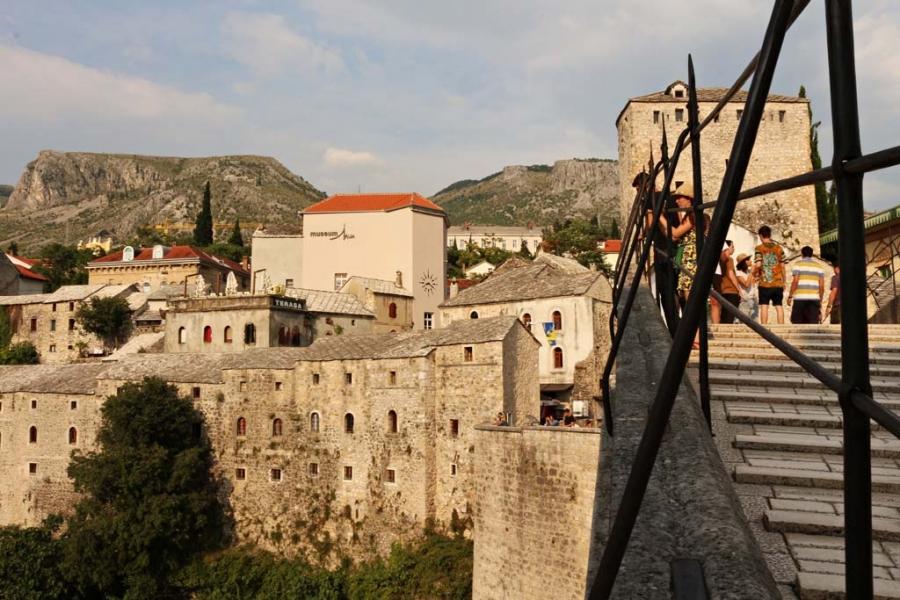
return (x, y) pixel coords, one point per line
(399, 279)
(454, 288)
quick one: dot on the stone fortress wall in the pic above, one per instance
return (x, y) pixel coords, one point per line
(782, 150)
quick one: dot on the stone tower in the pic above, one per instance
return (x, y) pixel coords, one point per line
(782, 150)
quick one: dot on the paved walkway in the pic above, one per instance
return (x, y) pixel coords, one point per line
(778, 431)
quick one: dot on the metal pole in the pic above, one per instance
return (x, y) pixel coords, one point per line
(854, 333)
(673, 372)
(700, 232)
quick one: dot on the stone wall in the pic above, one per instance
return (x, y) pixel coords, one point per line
(536, 491)
(53, 330)
(782, 150)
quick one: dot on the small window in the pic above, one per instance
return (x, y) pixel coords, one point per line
(390, 476)
(339, 280)
(52, 347)
(679, 115)
(392, 378)
(207, 335)
(241, 426)
(557, 358)
(315, 379)
(52, 324)
(392, 310)
(242, 386)
(739, 114)
(33, 404)
(71, 306)
(240, 473)
(453, 470)
(73, 435)
(182, 335)
(71, 324)
(348, 423)
(32, 468)
(279, 386)
(313, 469)
(34, 324)
(467, 354)
(454, 427)
(53, 309)
(392, 421)
(428, 321)
(348, 473)
(348, 378)
(473, 314)
(276, 428)
(314, 422)
(526, 320)
(679, 93)
(288, 282)
(249, 334)
(73, 405)
(557, 320)
(227, 335)
(195, 393)
(32, 435)
(781, 114)
(275, 474)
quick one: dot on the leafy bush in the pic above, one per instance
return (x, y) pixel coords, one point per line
(108, 318)
(29, 563)
(21, 353)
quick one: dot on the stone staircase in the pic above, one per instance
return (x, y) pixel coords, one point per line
(779, 432)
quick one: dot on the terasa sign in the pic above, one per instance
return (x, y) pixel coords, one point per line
(333, 235)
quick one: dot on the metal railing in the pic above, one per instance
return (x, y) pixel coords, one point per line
(853, 386)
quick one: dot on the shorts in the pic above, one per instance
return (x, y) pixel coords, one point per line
(727, 316)
(805, 312)
(775, 295)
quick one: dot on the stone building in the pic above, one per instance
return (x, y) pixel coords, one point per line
(339, 448)
(507, 238)
(150, 268)
(782, 150)
(565, 306)
(389, 301)
(18, 277)
(48, 320)
(392, 237)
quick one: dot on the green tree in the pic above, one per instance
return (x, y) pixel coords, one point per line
(29, 563)
(226, 250)
(149, 504)
(825, 208)
(236, 239)
(203, 230)
(21, 353)
(63, 265)
(108, 318)
(614, 231)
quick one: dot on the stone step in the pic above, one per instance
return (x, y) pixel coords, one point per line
(791, 521)
(774, 395)
(828, 345)
(807, 478)
(788, 366)
(822, 586)
(738, 328)
(811, 442)
(790, 415)
(889, 336)
(789, 380)
(771, 354)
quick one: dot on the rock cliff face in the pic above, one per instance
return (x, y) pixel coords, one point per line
(538, 194)
(67, 196)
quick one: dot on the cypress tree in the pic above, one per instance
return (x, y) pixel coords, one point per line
(826, 209)
(236, 239)
(203, 231)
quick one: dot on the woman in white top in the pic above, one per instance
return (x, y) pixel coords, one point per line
(749, 287)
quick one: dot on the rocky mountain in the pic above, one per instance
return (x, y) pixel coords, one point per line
(67, 196)
(538, 194)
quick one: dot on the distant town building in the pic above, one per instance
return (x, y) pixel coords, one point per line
(495, 236)
(391, 237)
(18, 277)
(100, 243)
(150, 268)
(782, 149)
(390, 302)
(479, 269)
(611, 250)
(559, 301)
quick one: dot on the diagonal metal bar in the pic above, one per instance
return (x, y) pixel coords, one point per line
(668, 387)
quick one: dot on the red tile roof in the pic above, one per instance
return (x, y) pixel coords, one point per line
(175, 253)
(612, 246)
(28, 261)
(29, 274)
(371, 203)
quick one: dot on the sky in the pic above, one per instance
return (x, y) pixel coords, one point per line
(399, 95)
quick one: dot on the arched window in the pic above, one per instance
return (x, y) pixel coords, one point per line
(392, 310)
(182, 335)
(73, 435)
(348, 423)
(473, 314)
(249, 333)
(241, 426)
(227, 335)
(207, 335)
(32, 435)
(276, 427)
(557, 358)
(314, 422)
(392, 422)
(295, 336)
(526, 320)
(557, 320)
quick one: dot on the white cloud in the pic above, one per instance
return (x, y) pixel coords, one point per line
(52, 89)
(339, 157)
(265, 43)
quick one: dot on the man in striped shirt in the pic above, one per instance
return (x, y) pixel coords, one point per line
(807, 289)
